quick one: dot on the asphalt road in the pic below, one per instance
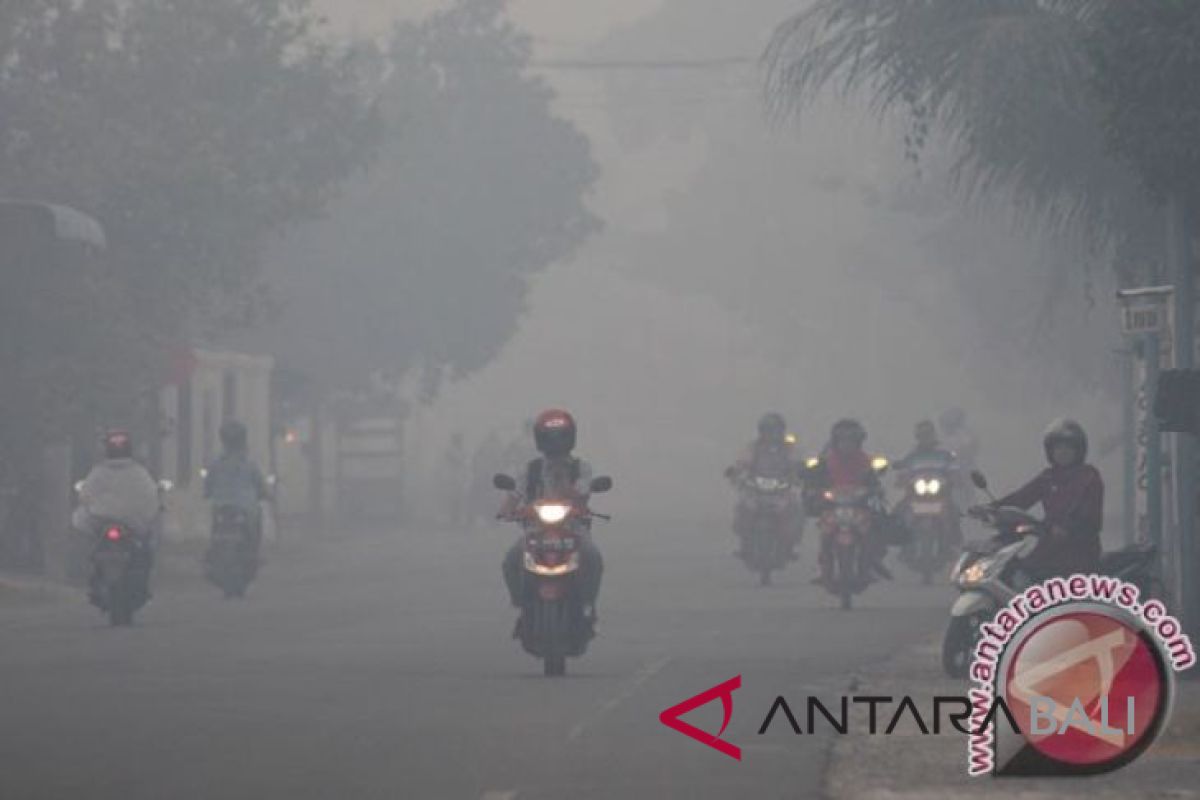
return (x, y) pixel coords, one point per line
(380, 666)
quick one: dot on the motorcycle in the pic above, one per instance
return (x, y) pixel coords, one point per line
(847, 520)
(931, 519)
(552, 625)
(232, 559)
(990, 574)
(768, 543)
(121, 560)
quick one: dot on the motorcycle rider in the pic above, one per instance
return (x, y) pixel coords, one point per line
(234, 481)
(774, 454)
(557, 473)
(844, 463)
(929, 454)
(120, 490)
(1071, 493)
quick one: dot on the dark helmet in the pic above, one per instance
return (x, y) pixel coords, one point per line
(118, 444)
(848, 429)
(554, 432)
(772, 427)
(233, 435)
(1065, 431)
(925, 432)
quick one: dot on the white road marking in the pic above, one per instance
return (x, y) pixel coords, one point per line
(639, 679)
(495, 794)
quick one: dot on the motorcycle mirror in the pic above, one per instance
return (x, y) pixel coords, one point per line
(504, 483)
(979, 480)
(601, 484)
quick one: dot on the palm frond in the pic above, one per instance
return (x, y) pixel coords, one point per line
(1006, 81)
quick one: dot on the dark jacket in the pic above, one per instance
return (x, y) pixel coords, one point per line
(1073, 499)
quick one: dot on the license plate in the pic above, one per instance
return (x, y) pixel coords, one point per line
(845, 538)
(926, 509)
(549, 591)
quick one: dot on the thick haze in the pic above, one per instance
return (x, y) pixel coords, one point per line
(745, 266)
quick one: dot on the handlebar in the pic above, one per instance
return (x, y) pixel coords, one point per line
(1007, 517)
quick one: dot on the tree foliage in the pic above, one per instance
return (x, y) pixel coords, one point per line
(1013, 83)
(192, 131)
(478, 186)
(1147, 75)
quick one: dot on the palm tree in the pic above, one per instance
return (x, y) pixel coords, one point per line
(1008, 82)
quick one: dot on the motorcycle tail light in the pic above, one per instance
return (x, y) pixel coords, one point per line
(113, 534)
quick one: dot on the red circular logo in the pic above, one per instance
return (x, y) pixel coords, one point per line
(1088, 688)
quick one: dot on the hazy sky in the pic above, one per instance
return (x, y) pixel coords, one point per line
(713, 216)
(571, 20)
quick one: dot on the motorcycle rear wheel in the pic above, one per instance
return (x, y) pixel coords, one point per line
(120, 609)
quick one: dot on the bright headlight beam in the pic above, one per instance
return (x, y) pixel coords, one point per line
(552, 513)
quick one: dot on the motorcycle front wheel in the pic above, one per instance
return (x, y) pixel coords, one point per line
(958, 645)
(847, 575)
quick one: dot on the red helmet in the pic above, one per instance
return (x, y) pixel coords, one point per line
(554, 432)
(118, 444)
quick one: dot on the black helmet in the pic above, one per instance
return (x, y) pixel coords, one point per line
(772, 427)
(925, 431)
(233, 435)
(1065, 431)
(850, 429)
(118, 444)
(554, 432)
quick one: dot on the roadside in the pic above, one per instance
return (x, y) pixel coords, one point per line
(179, 565)
(911, 765)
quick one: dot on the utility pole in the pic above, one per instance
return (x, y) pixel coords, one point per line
(1129, 444)
(1143, 319)
(1179, 261)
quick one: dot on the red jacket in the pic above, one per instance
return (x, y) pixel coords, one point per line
(1073, 499)
(849, 469)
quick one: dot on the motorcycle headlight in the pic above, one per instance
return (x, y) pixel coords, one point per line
(552, 513)
(976, 572)
(924, 487)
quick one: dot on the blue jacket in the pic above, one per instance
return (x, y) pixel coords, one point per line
(234, 480)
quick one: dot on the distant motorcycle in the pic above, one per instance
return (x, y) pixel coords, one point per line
(552, 626)
(847, 517)
(990, 574)
(929, 514)
(232, 560)
(772, 517)
(847, 521)
(121, 561)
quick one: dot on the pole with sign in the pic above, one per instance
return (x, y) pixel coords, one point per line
(1144, 314)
